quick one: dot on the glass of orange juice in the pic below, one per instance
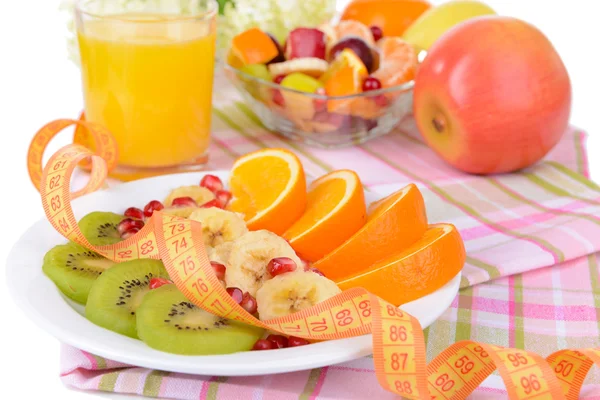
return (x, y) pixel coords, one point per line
(147, 70)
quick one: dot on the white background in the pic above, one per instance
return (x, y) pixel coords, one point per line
(38, 83)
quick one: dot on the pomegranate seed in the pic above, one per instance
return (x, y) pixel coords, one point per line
(184, 202)
(278, 98)
(377, 32)
(154, 205)
(129, 233)
(320, 104)
(279, 78)
(134, 212)
(370, 84)
(316, 271)
(281, 265)
(212, 183)
(305, 265)
(236, 293)
(212, 203)
(294, 341)
(223, 197)
(263, 344)
(129, 223)
(279, 341)
(219, 269)
(249, 303)
(155, 283)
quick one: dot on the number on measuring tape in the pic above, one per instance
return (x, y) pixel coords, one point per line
(125, 254)
(564, 368)
(480, 351)
(399, 361)
(344, 317)
(365, 308)
(179, 244)
(444, 383)
(398, 333)
(188, 265)
(177, 228)
(464, 365)
(530, 383)
(318, 326)
(147, 247)
(200, 286)
(517, 359)
(403, 387)
(394, 311)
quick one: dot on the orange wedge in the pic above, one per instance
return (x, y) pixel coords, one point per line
(415, 272)
(252, 47)
(393, 224)
(334, 211)
(269, 188)
(343, 78)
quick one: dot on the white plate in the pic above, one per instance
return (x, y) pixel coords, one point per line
(45, 305)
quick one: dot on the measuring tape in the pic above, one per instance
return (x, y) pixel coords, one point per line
(398, 342)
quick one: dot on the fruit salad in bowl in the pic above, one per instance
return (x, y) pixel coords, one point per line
(331, 86)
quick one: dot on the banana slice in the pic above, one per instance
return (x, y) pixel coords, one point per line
(249, 257)
(220, 253)
(201, 195)
(183, 212)
(219, 226)
(291, 292)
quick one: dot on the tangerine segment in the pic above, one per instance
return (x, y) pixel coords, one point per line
(253, 47)
(393, 224)
(269, 188)
(398, 62)
(335, 210)
(354, 28)
(344, 82)
(415, 272)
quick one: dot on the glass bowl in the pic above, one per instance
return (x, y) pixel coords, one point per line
(320, 120)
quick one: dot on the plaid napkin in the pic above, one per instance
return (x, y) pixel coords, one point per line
(531, 279)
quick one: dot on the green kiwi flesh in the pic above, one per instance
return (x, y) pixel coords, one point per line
(74, 269)
(117, 293)
(168, 321)
(100, 228)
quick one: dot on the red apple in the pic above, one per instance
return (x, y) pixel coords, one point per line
(305, 42)
(492, 96)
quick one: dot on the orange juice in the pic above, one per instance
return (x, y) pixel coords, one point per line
(148, 79)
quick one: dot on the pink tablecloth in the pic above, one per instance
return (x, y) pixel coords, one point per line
(531, 280)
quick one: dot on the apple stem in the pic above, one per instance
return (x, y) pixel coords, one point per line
(439, 123)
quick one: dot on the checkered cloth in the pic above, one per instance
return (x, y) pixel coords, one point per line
(531, 280)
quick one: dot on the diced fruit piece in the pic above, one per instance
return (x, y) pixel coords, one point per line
(305, 42)
(260, 71)
(212, 183)
(294, 341)
(393, 223)
(236, 294)
(248, 303)
(356, 29)
(168, 321)
(370, 84)
(377, 32)
(301, 106)
(223, 197)
(398, 62)
(100, 228)
(346, 81)
(309, 66)
(280, 341)
(254, 47)
(269, 188)
(219, 226)
(134, 212)
(416, 271)
(345, 58)
(184, 202)
(74, 269)
(301, 82)
(212, 203)
(358, 46)
(281, 265)
(155, 283)
(219, 270)
(393, 16)
(280, 56)
(152, 206)
(264, 344)
(335, 210)
(279, 78)
(115, 296)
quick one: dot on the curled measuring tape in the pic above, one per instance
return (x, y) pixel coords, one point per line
(398, 342)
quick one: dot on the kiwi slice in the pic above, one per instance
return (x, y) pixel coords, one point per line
(100, 228)
(168, 321)
(74, 269)
(117, 293)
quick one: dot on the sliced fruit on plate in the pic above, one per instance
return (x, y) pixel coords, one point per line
(398, 62)
(219, 226)
(306, 42)
(168, 321)
(100, 228)
(309, 66)
(291, 292)
(253, 47)
(393, 223)
(249, 258)
(269, 188)
(74, 269)
(117, 293)
(416, 271)
(354, 28)
(335, 210)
